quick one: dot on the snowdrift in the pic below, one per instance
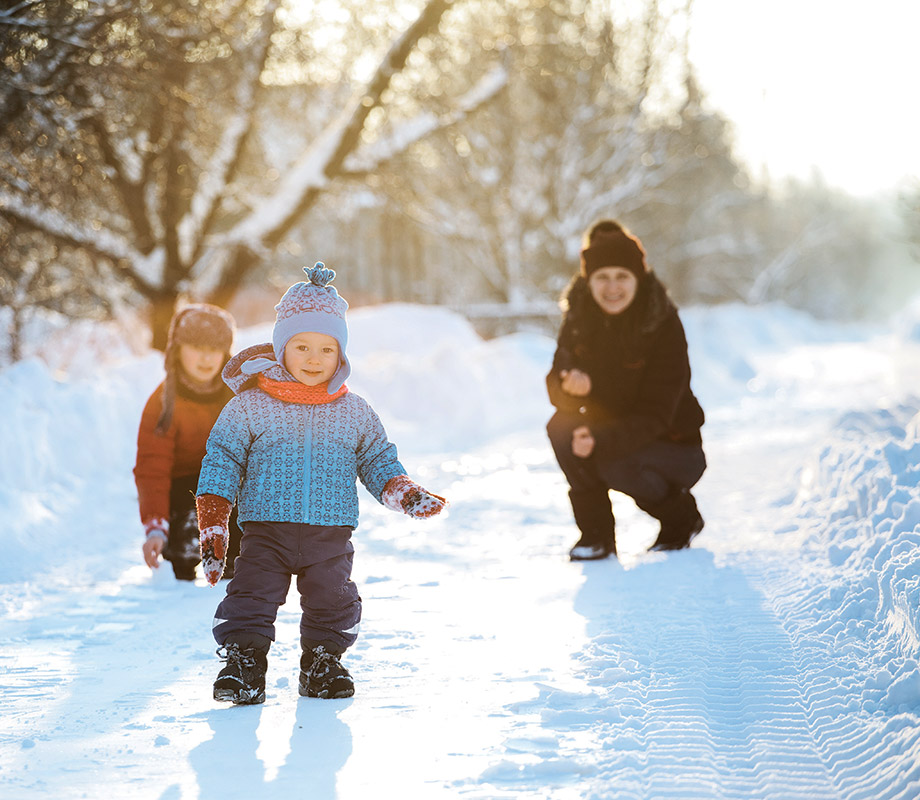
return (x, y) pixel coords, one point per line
(777, 658)
(436, 384)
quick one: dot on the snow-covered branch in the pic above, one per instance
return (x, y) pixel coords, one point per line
(324, 159)
(225, 158)
(53, 222)
(426, 124)
(307, 173)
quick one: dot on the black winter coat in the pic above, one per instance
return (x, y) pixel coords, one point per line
(639, 370)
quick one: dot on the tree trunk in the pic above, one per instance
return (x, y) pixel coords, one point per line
(16, 323)
(162, 308)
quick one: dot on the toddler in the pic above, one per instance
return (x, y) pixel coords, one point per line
(288, 448)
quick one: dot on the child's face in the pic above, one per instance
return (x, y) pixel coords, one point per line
(201, 363)
(312, 358)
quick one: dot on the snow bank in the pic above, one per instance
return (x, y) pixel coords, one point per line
(730, 344)
(69, 442)
(440, 387)
(436, 384)
(859, 511)
(776, 658)
(62, 443)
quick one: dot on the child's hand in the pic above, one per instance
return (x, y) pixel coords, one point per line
(153, 548)
(157, 531)
(213, 542)
(403, 494)
(214, 526)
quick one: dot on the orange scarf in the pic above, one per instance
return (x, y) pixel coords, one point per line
(296, 392)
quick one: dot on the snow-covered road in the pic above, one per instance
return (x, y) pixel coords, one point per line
(775, 659)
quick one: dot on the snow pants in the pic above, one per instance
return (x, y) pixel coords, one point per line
(271, 553)
(182, 546)
(651, 476)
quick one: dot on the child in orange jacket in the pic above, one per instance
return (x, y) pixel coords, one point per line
(172, 435)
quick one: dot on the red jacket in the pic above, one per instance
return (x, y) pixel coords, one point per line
(178, 452)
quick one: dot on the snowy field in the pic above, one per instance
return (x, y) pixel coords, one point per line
(778, 658)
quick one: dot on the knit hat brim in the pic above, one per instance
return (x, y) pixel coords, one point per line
(614, 249)
(313, 306)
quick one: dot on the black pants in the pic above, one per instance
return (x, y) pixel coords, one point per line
(182, 546)
(320, 556)
(650, 476)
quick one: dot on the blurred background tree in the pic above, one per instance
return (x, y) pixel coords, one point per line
(439, 151)
(132, 136)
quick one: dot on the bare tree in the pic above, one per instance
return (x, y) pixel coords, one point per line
(33, 279)
(146, 158)
(575, 137)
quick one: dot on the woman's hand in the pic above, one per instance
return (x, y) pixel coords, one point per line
(582, 442)
(575, 382)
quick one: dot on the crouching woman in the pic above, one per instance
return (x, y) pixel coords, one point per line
(626, 418)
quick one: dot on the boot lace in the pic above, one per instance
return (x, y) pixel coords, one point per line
(232, 654)
(324, 662)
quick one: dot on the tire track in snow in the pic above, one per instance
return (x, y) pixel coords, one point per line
(691, 690)
(837, 614)
(711, 674)
(686, 685)
(862, 742)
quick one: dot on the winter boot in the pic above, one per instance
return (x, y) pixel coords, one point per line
(594, 517)
(322, 674)
(680, 521)
(182, 549)
(242, 680)
(186, 559)
(593, 547)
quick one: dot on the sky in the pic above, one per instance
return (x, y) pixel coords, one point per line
(826, 84)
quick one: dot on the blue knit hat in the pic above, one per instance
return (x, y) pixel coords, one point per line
(314, 306)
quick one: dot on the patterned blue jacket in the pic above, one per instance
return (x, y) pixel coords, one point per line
(293, 462)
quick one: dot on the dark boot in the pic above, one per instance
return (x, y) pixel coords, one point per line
(322, 674)
(594, 518)
(680, 520)
(242, 680)
(593, 547)
(182, 548)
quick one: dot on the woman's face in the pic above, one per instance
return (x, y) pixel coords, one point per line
(201, 364)
(613, 288)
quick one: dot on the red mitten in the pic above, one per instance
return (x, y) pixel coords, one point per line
(214, 525)
(402, 494)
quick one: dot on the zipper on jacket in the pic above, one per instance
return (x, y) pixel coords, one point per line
(307, 459)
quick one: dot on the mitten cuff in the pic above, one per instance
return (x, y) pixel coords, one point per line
(157, 526)
(213, 511)
(394, 492)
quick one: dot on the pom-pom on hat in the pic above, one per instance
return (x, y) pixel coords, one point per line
(198, 325)
(313, 306)
(611, 245)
